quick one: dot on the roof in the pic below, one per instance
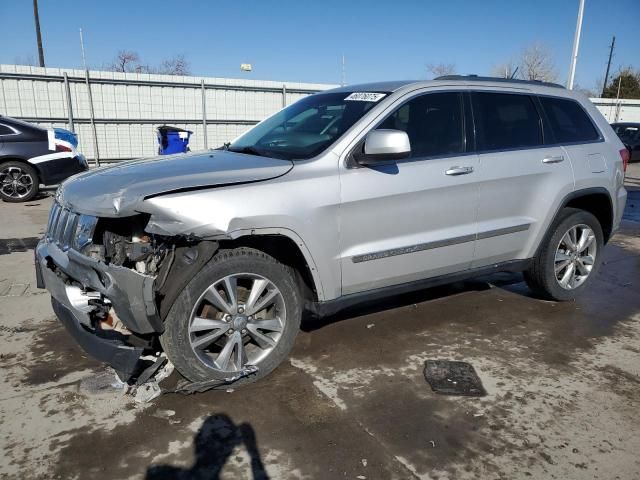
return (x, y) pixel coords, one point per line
(15, 122)
(476, 78)
(392, 86)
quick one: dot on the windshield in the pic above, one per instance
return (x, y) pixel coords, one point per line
(307, 127)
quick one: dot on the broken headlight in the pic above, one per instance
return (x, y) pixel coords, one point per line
(84, 231)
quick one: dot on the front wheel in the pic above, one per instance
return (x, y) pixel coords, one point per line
(570, 257)
(242, 309)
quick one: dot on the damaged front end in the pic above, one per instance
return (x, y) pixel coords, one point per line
(112, 283)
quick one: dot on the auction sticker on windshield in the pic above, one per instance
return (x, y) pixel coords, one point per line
(365, 96)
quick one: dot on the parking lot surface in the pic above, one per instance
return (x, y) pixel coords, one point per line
(562, 381)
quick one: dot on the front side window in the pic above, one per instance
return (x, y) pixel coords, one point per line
(433, 123)
(505, 121)
(568, 121)
(308, 127)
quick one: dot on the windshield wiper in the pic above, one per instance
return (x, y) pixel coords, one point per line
(248, 150)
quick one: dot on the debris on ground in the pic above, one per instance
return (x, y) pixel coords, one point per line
(101, 382)
(453, 378)
(371, 325)
(146, 392)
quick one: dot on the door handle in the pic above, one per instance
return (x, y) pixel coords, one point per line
(554, 159)
(458, 170)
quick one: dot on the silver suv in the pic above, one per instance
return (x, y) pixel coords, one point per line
(350, 194)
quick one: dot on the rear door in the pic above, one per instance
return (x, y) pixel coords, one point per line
(415, 218)
(571, 127)
(520, 178)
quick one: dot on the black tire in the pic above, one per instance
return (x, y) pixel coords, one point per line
(541, 276)
(175, 339)
(28, 171)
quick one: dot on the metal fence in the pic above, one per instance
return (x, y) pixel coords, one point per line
(618, 110)
(116, 114)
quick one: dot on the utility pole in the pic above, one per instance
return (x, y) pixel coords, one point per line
(92, 117)
(576, 45)
(606, 75)
(344, 72)
(38, 34)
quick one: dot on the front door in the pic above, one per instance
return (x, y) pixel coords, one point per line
(415, 218)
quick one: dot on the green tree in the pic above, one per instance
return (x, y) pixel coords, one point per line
(629, 81)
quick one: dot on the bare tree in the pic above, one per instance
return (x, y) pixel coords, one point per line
(505, 70)
(129, 62)
(441, 69)
(178, 65)
(536, 63)
(125, 61)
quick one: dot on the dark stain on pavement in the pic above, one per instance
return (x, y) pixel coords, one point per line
(55, 354)
(289, 419)
(394, 420)
(11, 245)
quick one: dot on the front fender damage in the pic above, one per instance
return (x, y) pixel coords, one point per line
(180, 266)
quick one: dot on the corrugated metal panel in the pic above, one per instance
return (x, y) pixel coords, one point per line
(129, 106)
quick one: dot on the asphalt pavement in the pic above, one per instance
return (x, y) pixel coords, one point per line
(562, 382)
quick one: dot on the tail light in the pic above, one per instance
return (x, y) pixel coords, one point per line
(624, 154)
(62, 148)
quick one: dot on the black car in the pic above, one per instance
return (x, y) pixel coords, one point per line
(629, 134)
(31, 156)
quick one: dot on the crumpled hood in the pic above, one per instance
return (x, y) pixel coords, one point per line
(115, 191)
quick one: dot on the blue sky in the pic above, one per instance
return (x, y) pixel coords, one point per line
(304, 40)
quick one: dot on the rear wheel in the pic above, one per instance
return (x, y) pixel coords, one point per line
(241, 310)
(570, 258)
(18, 182)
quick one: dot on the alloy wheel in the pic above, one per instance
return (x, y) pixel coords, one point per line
(15, 182)
(237, 321)
(575, 256)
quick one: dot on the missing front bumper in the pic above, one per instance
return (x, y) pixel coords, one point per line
(130, 294)
(123, 358)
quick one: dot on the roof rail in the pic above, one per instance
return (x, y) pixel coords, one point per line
(476, 78)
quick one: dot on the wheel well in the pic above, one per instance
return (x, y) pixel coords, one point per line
(22, 160)
(599, 205)
(286, 251)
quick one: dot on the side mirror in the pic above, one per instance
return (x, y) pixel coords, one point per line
(382, 146)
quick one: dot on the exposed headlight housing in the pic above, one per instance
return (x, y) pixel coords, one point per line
(84, 231)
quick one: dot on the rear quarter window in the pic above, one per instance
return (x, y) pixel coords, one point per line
(568, 121)
(4, 130)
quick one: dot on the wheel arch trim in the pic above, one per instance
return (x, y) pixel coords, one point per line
(574, 195)
(26, 161)
(293, 236)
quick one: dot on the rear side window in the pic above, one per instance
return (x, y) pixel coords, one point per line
(433, 123)
(568, 121)
(505, 121)
(4, 130)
